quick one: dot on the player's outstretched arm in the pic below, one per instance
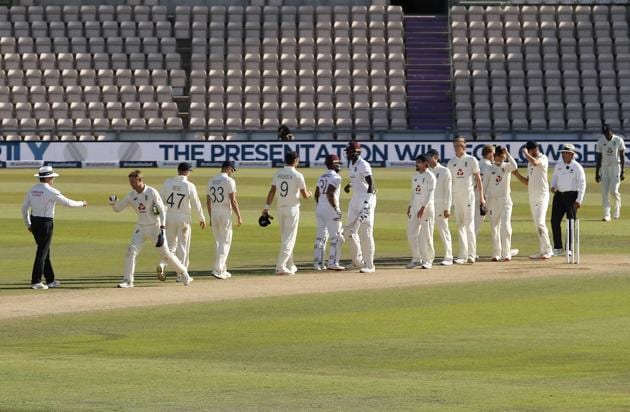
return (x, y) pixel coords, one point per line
(269, 201)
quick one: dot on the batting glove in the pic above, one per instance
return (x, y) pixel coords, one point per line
(112, 200)
(365, 212)
(338, 217)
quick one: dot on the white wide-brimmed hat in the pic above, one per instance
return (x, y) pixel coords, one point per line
(46, 171)
(568, 147)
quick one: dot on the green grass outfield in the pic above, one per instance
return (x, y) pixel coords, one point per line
(536, 344)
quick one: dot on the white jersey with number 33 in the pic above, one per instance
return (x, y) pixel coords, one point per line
(288, 183)
(219, 189)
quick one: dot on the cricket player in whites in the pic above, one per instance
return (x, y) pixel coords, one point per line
(421, 216)
(148, 205)
(610, 156)
(289, 184)
(487, 158)
(178, 194)
(442, 200)
(359, 230)
(221, 201)
(328, 214)
(465, 171)
(538, 190)
(496, 183)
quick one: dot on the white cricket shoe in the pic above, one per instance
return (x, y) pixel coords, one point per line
(514, 252)
(558, 252)
(318, 266)
(606, 219)
(459, 261)
(495, 259)
(186, 279)
(470, 260)
(220, 275)
(54, 284)
(125, 284)
(367, 269)
(506, 259)
(446, 262)
(336, 267)
(284, 272)
(293, 269)
(160, 272)
(616, 214)
(426, 265)
(227, 274)
(413, 264)
(39, 285)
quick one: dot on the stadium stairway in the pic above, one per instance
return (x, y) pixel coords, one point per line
(429, 102)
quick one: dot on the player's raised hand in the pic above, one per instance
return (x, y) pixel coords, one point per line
(347, 188)
(202, 224)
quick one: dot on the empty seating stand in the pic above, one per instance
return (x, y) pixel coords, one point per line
(540, 66)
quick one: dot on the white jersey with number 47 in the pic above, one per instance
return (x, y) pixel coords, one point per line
(178, 193)
(219, 189)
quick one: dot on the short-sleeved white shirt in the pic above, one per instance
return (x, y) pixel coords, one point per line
(288, 183)
(358, 172)
(179, 195)
(497, 178)
(443, 190)
(326, 180)
(537, 179)
(219, 189)
(610, 149)
(422, 189)
(462, 171)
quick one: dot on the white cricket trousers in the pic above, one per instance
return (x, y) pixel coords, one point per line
(420, 235)
(327, 227)
(441, 223)
(150, 233)
(500, 213)
(610, 187)
(178, 233)
(464, 209)
(288, 220)
(360, 235)
(538, 205)
(221, 222)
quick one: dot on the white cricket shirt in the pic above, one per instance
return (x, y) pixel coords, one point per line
(219, 189)
(569, 177)
(422, 189)
(178, 193)
(358, 172)
(537, 179)
(288, 183)
(41, 199)
(610, 149)
(462, 171)
(443, 197)
(325, 181)
(497, 179)
(142, 203)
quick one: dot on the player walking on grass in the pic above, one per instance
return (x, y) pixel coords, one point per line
(421, 214)
(179, 193)
(38, 211)
(289, 184)
(328, 213)
(465, 172)
(496, 184)
(610, 158)
(568, 183)
(148, 205)
(221, 202)
(359, 230)
(442, 203)
(538, 191)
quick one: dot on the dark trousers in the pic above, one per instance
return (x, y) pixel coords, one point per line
(563, 203)
(42, 228)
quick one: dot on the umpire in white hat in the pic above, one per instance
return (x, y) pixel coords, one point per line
(568, 183)
(38, 211)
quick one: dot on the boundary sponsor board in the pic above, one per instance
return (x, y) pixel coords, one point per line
(247, 154)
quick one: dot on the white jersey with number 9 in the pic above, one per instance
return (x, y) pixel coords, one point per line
(288, 183)
(219, 189)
